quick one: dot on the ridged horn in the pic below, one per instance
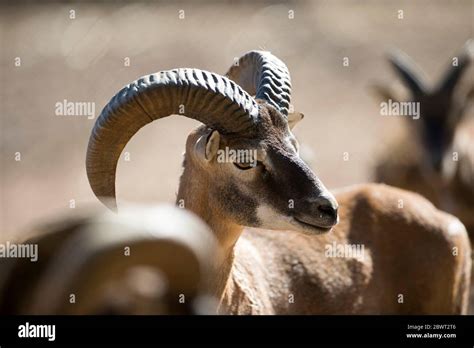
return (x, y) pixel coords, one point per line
(406, 68)
(92, 255)
(265, 76)
(207, 97)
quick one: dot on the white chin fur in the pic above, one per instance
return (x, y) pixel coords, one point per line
(270, 219)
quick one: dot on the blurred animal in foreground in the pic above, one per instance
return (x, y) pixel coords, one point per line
(436, 157)
(272, 216)
(147, 260)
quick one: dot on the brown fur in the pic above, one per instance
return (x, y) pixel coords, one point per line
(404, 165)
(408, 251)
(446, 117)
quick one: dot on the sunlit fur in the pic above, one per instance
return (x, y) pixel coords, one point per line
(267, 270)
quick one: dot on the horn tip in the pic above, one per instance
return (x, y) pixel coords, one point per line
(110, 202)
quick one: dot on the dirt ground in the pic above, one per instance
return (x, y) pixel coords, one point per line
(83, 60)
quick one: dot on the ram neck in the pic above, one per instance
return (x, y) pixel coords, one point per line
(194, 194)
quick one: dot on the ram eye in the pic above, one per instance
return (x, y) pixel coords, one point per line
(245, 165)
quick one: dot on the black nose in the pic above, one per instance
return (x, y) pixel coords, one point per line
(326, 207)
(318, 211)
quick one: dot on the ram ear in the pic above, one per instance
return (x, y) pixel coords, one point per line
(212, 145)
(294, 118)
(207, 145)
(382, 93)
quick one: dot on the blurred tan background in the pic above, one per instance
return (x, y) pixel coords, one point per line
(82, 60)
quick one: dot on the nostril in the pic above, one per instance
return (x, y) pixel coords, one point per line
(327, 209)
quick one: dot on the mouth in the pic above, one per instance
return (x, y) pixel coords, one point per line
(319, 228)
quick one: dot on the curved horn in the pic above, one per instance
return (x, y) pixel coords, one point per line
(87, 260)
(262, 74)
(411, 75)
(207, 97)
(454, 73)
